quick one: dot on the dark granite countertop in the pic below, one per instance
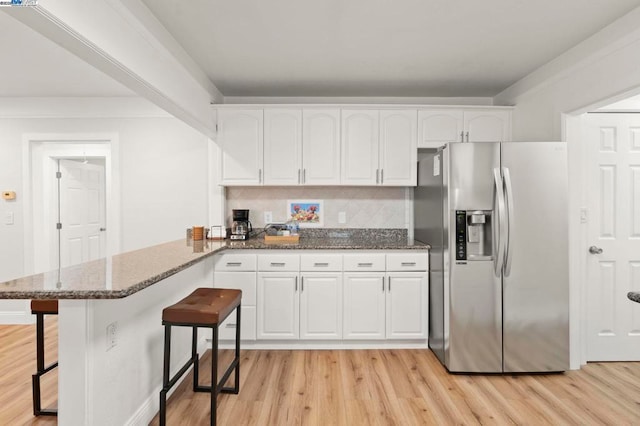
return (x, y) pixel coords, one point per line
(634, 295)
(127, 273)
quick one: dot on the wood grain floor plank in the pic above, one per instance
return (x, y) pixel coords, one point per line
(355, 387)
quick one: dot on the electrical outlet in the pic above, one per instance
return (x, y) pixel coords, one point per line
(268, 217)
(112, 335)
(8, 218)
(342, 217)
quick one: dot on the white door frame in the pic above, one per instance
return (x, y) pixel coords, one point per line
(578, 158)
(38, 153)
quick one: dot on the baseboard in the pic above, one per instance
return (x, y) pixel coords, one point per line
(324, 344)
(150, 407)
(16, 317)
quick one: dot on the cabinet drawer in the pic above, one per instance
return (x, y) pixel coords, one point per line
(234, 262)
(364, 262)
(321, 262)
(245, 281)
(278, 262)
(227, 330)
(407, 261)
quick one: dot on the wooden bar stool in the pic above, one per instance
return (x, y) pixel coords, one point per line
(40, 308)
(205, 307)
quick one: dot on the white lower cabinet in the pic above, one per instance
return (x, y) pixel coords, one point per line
(278, 305)
(379, 306)
(327, 296)
(407, 307)
(364, 305)
(237, 271)
(321, 305)
(300, 305)
(390, 303)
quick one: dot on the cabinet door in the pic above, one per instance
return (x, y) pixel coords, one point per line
(487, 126)
(282, 146)
(321, 147)
(439, 126)
(364, 306)
(398, 148)
(360, 135)
(240, 137)
(321, 306)
(245, 281)
(407, 307)
(278, 306)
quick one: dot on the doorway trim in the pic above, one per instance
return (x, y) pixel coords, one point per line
(38, 151)
(578, 162)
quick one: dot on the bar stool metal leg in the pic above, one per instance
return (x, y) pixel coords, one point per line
(214, 376)
(165, 375)
(41, 370)
(195, 358)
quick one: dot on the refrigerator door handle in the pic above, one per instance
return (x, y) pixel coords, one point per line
(508, 257)
(498, 261)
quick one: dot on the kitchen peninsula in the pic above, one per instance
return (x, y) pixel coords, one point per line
(116, 379)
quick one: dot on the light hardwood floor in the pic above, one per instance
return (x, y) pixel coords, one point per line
(360, 387)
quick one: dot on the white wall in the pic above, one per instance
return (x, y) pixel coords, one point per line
(163, 177)
(603, 68)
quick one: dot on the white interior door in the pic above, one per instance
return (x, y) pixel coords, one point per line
(82, 212)
(613, 258)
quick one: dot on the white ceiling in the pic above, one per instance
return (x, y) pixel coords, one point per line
(378, 47)
(33, 66)
(427, 48)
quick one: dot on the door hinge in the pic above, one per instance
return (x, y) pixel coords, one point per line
(58, 175)
(58, 225)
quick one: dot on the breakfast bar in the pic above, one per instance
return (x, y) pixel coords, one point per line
(110, 341)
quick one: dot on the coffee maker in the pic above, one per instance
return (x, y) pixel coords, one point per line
(241, 226)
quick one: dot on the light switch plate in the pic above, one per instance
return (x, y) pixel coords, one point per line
(8, 218)
(584, 215)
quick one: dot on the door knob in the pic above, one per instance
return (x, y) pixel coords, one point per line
(595, 250)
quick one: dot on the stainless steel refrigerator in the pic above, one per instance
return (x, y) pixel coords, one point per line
(496, 217)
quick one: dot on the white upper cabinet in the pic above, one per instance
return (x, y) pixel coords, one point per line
(321, 146)
(379, 147)
(439, 126)
(282, 146)
(398, 148)
(360, 152)
(487, 126)
(240, 137)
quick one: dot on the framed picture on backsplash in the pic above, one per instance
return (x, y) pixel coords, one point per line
(308, 213)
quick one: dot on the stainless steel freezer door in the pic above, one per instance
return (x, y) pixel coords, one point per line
(536, 286)
(475, 333)
(473, 314)
(470, 172)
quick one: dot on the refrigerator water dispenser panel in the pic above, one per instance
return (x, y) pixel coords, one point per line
(473, 235)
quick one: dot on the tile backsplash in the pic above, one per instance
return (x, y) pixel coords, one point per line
(364, 207)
